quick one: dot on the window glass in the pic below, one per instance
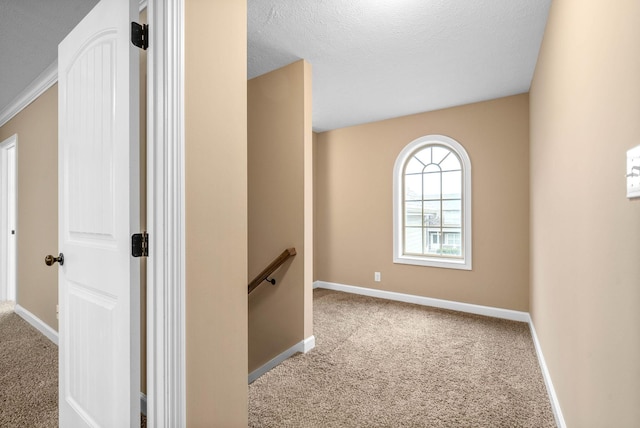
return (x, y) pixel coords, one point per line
(413, 240)
(433, 203)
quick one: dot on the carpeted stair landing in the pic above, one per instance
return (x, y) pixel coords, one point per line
(379, 363)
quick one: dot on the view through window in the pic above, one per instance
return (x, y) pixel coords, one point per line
(433, 203)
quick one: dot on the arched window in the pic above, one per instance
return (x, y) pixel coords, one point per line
(432, 204)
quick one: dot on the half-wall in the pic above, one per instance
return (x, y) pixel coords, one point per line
(280, 209)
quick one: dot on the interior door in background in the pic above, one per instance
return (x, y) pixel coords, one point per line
(11, 222)
(8, 213)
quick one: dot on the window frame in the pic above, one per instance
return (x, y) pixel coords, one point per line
(398, 206)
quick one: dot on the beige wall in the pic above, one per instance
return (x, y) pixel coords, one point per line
(280, 216)
(585, 234)
(37, 229)
(216, 212)
(354, 204)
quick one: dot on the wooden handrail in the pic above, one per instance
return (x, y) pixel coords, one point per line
(264, 275)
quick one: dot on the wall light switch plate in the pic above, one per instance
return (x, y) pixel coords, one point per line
(633, 173)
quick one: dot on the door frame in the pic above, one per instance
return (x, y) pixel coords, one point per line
(166, 363)
(5, 291)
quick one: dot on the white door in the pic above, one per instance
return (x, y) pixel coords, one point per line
(8, 194)
(11, 223)
(98, 155)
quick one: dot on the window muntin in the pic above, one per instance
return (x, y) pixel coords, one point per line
(432, 204)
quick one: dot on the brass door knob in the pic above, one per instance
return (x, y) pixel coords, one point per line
(49, 260)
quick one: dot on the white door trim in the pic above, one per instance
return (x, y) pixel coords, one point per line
(166, 364)
(5, 293)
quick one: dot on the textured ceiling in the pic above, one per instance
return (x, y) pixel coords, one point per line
(377, 59)
(371, 59)
(30, 31)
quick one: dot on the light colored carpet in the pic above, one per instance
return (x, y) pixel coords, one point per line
(28, 374)
(379, 363)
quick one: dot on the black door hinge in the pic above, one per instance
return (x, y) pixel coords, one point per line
(140, 35)
(140, 244)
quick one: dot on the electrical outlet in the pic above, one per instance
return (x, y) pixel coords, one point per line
(376, 276)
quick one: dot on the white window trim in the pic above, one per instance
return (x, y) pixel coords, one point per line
(398, 191)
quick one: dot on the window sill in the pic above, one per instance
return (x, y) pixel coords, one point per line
(433, 262)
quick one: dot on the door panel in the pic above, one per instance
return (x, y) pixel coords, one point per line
(8, 211)
(98, 211)
(11, 222)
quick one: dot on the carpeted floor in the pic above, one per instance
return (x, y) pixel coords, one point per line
(28, 374)
(379, 363)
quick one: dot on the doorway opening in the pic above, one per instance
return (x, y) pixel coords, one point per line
(8, 226)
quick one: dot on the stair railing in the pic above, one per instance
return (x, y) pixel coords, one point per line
(264, 275)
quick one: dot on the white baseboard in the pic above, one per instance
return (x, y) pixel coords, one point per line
(303, 346)
(308, 344)
(488, 311)
(555, 404)
(37, 323)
